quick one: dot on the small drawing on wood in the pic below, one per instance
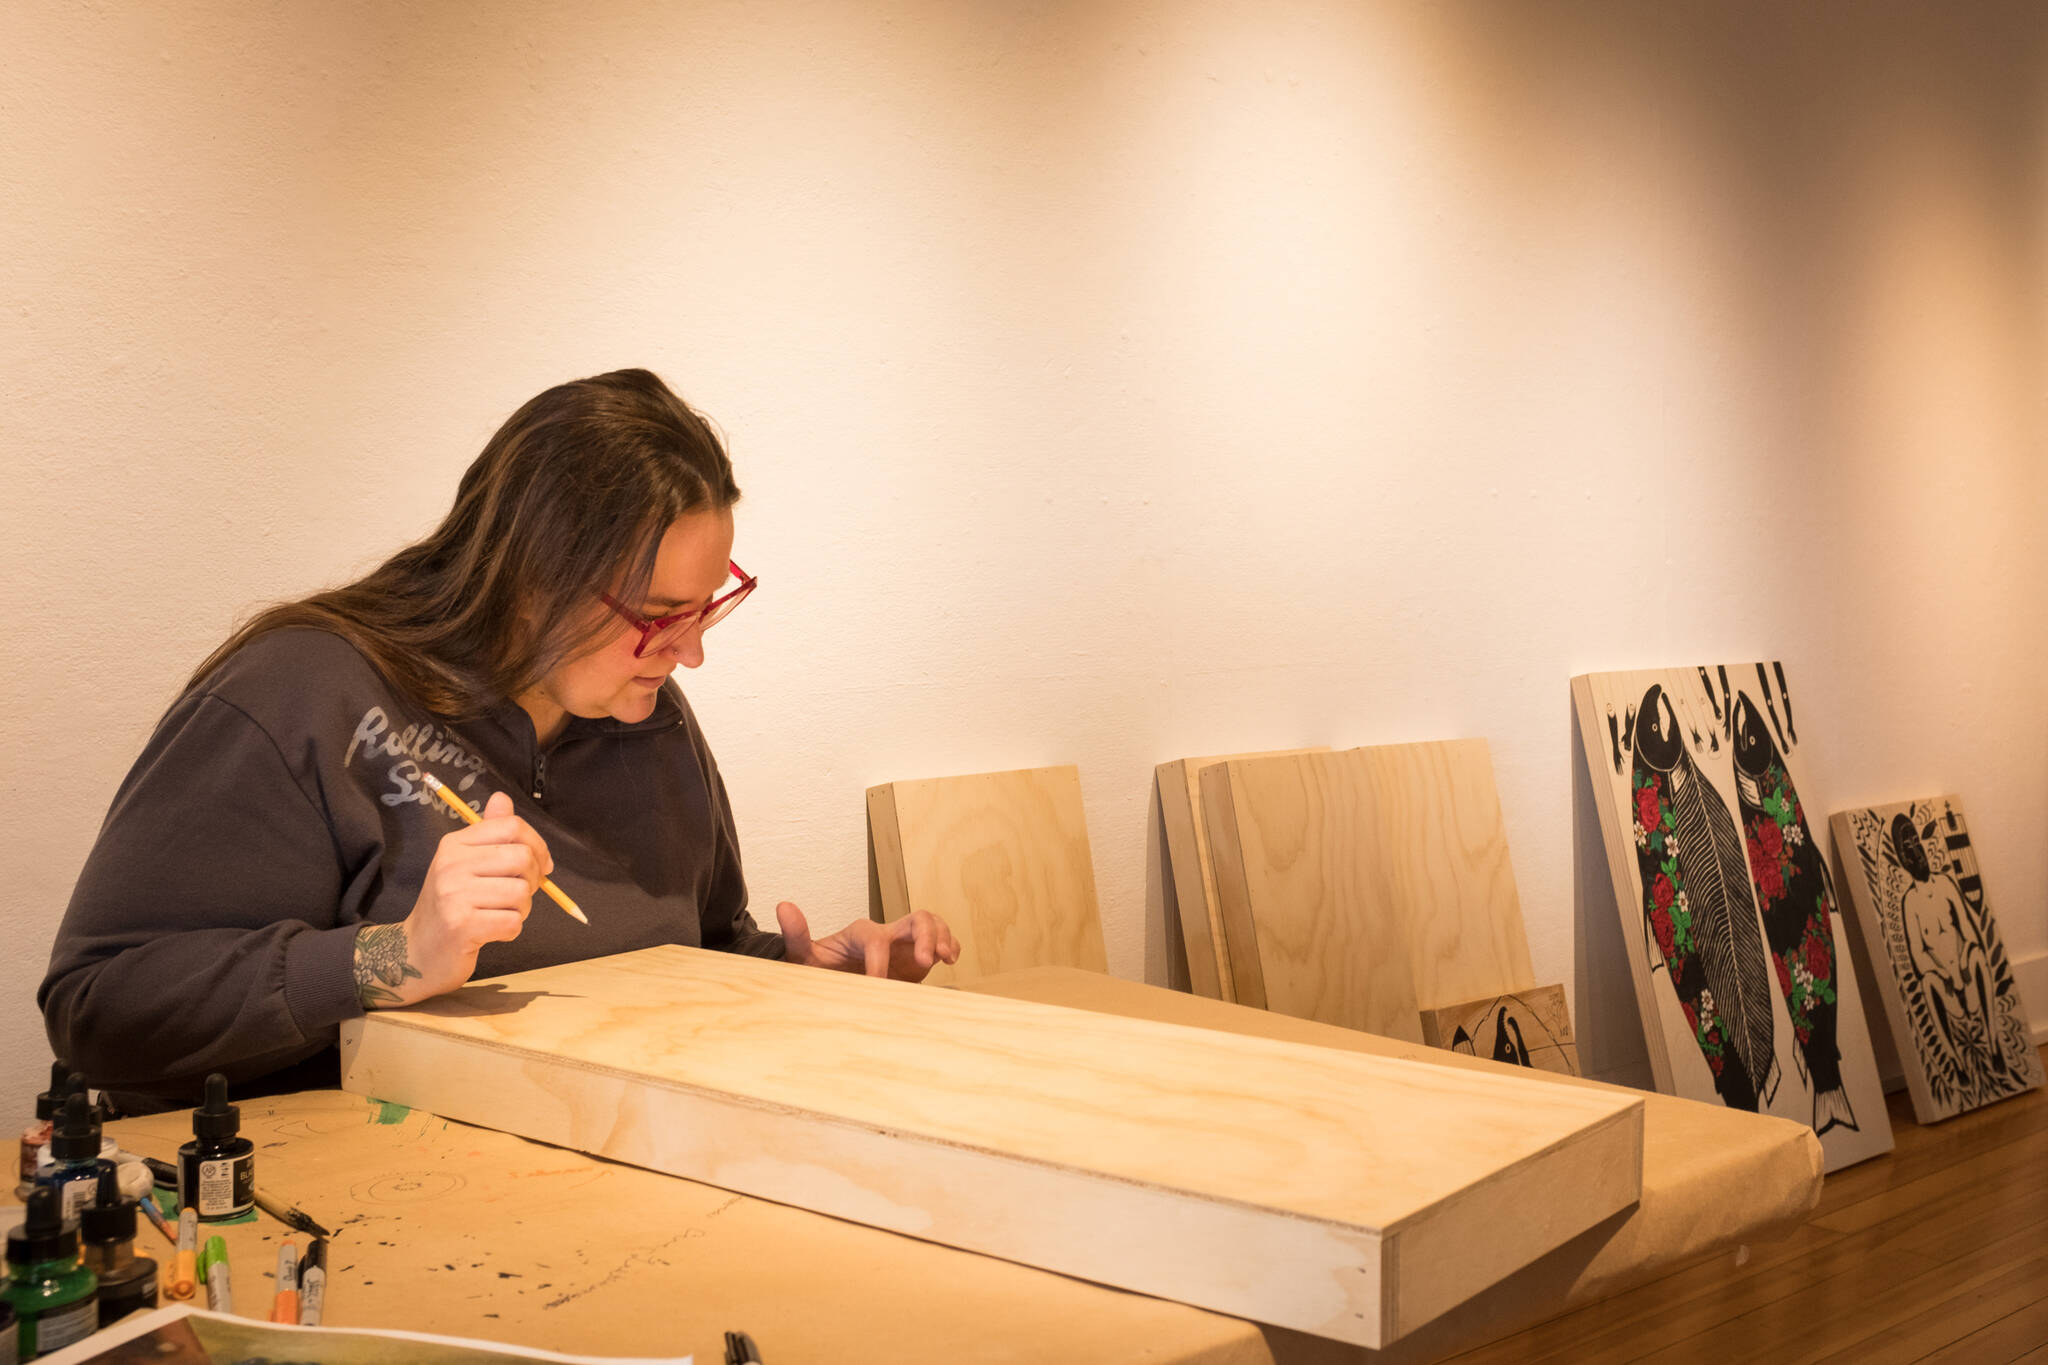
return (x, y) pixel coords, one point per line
(1531, 1028)
(1941, 965)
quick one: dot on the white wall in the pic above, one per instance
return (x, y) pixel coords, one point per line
(1109, 382)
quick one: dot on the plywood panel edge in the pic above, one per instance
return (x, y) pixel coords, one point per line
(1581, 1183)
(1292, 1271)
(1233, 896)
(888, 893)
(1615, 839)
(1206, 969)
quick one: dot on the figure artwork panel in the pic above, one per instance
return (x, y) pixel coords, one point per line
(1731, 917)
(1941, 965)
(1531, 1028)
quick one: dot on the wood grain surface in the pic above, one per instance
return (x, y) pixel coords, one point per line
(1442, 853)
(1189, 859)
(1003, 857)
(1345, 1195)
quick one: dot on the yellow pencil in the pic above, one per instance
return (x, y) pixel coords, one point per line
(461, 808)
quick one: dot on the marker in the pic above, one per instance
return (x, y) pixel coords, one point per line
(461, 808)
(285, 1307)
(157, 1219)
(162, 1172)
(213, 1269)
(289, 1216)
(185, 1277)
(313, 1282)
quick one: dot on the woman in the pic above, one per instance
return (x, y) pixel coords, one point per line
(275, 864)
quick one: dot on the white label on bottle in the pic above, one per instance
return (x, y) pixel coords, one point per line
(62, 1326)
(216, 1188)
(79, 1194)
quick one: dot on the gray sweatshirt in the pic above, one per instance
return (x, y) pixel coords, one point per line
(278, 808)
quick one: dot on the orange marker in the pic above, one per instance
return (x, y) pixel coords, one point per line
(461, 808)
(285, 1307)
(185, 1272)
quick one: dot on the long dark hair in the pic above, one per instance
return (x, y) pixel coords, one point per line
(571, 496)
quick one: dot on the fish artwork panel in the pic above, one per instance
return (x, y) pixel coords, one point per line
(1940, 962)
(1797, 902)
(1728, 912)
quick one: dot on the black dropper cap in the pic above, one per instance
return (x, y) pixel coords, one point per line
(51, 1100)
(78, 1131)
(111, 1218)
(47, 1235)
(216, 1120)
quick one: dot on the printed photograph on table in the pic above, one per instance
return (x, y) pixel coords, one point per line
(1935, 949)
(1730, 916)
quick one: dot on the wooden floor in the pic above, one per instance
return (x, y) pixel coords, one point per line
(1937, 1252)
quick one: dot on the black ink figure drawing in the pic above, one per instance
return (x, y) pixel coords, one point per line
(1954, 978)
(1696, 903)
(1796, 900)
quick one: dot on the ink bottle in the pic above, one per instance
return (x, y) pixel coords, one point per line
(55, 1297)
(107, 1227)
(75, 1163)
(217, 1169)
(10, 1340)
(37, 1134)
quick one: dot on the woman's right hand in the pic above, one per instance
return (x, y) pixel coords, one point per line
(479, 889)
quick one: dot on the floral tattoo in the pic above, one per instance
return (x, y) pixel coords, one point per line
(381, 965)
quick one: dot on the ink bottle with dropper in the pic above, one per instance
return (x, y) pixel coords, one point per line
(38, 1134)
(107, 1227)
(75, 1163)
(55, 1297)
(217, 1169)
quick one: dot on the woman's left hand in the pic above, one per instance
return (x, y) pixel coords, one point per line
(906, 949)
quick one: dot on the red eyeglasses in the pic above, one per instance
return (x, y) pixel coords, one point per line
(663, 631)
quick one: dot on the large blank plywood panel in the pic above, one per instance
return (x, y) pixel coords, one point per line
(1349, 1196)
(1297, 873)
(1210, 970)
(1442, 855)
(1003, 857)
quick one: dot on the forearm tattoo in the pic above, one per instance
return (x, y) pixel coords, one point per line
(381, 964)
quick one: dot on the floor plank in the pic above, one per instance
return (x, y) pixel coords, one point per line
(1935, 1252)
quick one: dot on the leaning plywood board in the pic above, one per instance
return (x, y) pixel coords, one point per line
(1442, 855)
(1298, 875)
(1939, 960)
(1347, 1196)
(1210, 970)
(1730, 918)
(1002, 857)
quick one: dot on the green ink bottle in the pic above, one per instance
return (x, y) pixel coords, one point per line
(217, 1169)
(52, 1293)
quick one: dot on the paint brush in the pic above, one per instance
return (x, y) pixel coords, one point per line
(461, 808)
(287, 1214)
